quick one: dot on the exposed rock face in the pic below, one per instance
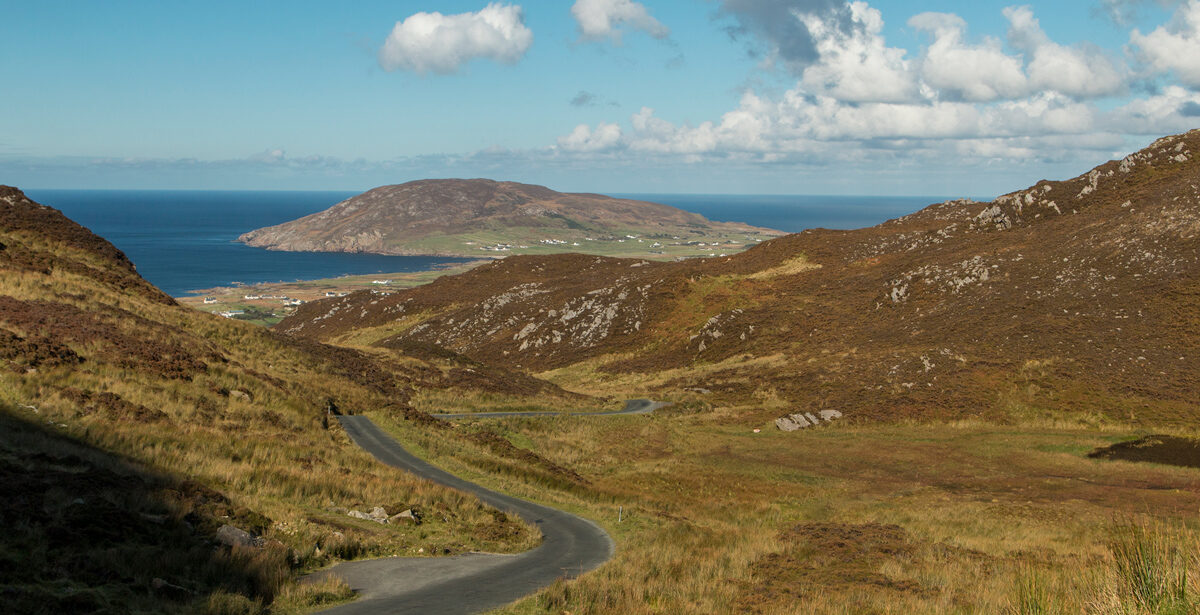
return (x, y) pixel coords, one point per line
(1090, 284)
(397, 219)
(800, 420)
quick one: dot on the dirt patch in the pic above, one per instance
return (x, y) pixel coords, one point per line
(1170, 450)
(820, 559)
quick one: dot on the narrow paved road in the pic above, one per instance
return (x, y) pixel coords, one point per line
(472, 583)
(633, 406)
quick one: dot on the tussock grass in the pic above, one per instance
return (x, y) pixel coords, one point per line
(996, 518)
(1154, 569)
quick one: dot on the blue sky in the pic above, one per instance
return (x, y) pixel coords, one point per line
(721, 96)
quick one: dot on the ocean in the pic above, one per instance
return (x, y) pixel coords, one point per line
(183, 241)
(794, 213)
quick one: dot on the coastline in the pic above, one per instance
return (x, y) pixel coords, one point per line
(267, 303)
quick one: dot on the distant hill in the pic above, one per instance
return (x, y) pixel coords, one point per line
(1079, 296)
(481, 217)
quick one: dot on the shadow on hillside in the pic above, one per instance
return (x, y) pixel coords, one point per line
(88, 532)
(1170, 450)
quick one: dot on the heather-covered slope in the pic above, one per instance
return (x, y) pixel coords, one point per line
(1079, 296)
(134, 428)
(481, 217)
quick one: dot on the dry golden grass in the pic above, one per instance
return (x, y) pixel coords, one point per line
(249, 424)
(793, 266)
(990, 517)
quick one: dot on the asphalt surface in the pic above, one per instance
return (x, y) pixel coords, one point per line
(472, 583)
(633, 406)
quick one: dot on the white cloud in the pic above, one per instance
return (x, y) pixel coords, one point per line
(433, 42)
(778, 24)
(584, 139)
(1170, 111)
(858, 103)
(1175, 46)
(977, 73)
(853, 63)
(1083, 73)
(600, 19)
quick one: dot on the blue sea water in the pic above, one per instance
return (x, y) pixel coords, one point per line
(183, 241)
(794, 213)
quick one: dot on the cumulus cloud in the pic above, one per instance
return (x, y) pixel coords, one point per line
(437, 43)
(778, 24)
(960, 71)
(1168, 111)
(601, 19)
(1175, 46)
(1025, 100)
(1079, 72)
(854, 64)
(585, 139)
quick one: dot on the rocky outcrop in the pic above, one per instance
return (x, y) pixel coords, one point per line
(801, 420)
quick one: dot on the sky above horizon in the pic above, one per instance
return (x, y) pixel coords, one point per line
(617, 96)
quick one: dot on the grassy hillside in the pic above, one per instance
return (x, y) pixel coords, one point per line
(978, 351)
(930, 517)
(134, 428)
(1069, 297)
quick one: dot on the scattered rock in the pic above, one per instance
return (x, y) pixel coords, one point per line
(232, 536)
(377, 514)
(800, 420)
(406, 516)
(792, 423)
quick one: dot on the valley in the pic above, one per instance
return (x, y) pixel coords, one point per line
(977, 354)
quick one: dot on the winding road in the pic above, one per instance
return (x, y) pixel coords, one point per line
(470, 583)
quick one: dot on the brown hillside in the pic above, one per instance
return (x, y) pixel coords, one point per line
(33, 226)
(133, 428)
(1071, 296)
(400, 219)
